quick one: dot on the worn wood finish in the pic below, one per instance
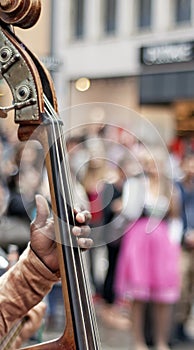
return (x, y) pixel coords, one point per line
(80, 331)
(21, 13)
(66, 341)
(37, 130)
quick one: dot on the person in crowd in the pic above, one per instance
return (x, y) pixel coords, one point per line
(93, 182)
(148, 262)
(25, 284)
(186, 192)
(25, 182)
(112, 206)
(113, 227)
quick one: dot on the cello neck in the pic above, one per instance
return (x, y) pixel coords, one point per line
(36, 114)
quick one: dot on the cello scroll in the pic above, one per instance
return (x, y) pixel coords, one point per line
(21, 13)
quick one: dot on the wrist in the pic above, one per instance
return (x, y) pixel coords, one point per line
(47, 262)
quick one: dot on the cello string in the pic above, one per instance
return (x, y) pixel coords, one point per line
(52, 113)
(84, 269)
(91, 304)
(83, 262)
(54, 123)
(67, 163)
(64, 150)
(58, 162)
(86, 279)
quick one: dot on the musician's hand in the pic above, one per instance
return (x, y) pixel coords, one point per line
(82, 231)
(43, 241)
(33, 323)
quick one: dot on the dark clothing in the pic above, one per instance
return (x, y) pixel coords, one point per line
(187, 205)
(184, 306)
(18, 207)
(110, 193)
(108, 290)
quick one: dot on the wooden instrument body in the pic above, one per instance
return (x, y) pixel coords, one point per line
(34, 103)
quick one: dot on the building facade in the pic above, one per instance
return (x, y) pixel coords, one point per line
(134, 53)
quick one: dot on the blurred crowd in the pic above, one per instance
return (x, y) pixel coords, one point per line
(141, 197)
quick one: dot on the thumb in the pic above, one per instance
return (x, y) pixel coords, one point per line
(42, 211)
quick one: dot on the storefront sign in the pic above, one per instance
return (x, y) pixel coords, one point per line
(168, 53)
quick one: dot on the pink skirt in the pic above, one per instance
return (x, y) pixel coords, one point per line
(148, 264)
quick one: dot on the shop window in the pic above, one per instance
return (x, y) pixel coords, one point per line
(110, 16)
(183, 10)
(166, 87)
(144, 13)
(78, 18)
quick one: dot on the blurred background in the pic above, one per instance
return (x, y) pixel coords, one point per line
(137, 54)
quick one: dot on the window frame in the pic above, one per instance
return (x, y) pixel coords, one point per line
(177, 12)
(110, 17)
(142, 21)
(78, 28)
